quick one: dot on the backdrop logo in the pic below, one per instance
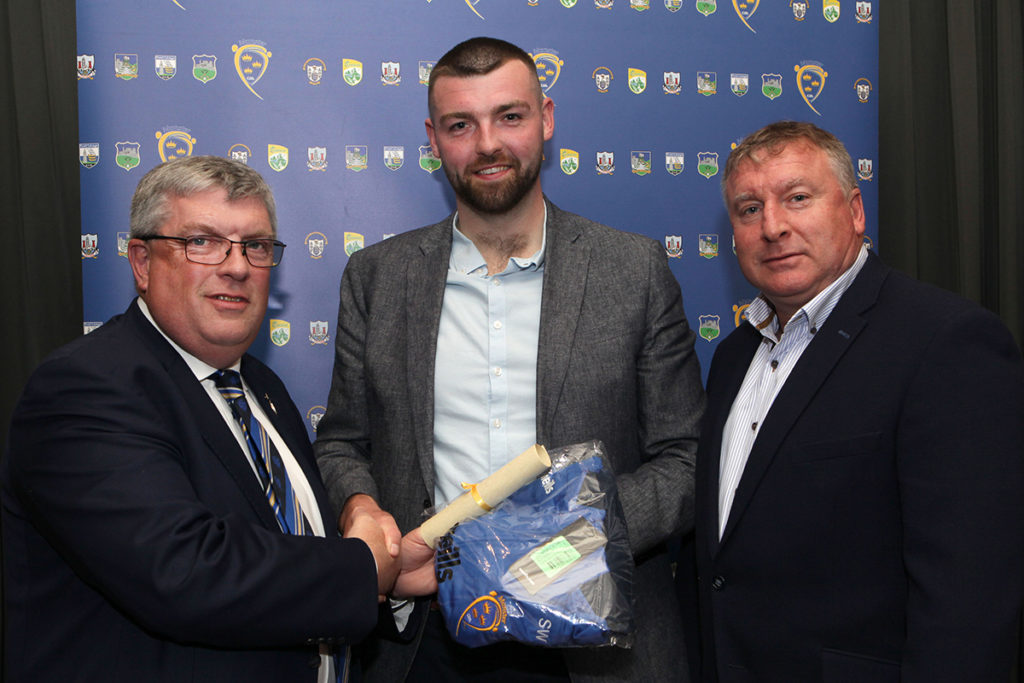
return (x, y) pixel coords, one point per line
(88, 153)
(240, 153)
(739, 83)
(863, 88)
(863, 12)
(865, 169)
(352, 71)
(316, 158)
(602, 78)
(354, 241)
(277, 157)
(251, 62)
(569, 160)
(739, 312)
(204, 68)
(428, 162)
(549, 68)
(90, 246)
(745, 9)
(799, 9)
(425, 68)
(356, 156)
(674, 246)
(771, 85)
(471, 4)
(280, 331)
(674, 5)
(174, 143)
(640, 162)
(314, 68)
(707, 163)
(394, 157)
(318, 332)
(605, 163)
(674, 162)
(122, 243)
(126, 67)
(830, 8)
(568, 4)
(671, 82)
(390, 73)
(707, 83)
(810, 79)
(314, 415)
(640, 5)
(706, 7)
(604, 4)
(709, 327)
(637, 79)
(126, 154)
(86, 66)
(707, 245)
(315, 243)
(166, 66)
(486, 613)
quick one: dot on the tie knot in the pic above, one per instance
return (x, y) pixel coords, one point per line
(229, 382)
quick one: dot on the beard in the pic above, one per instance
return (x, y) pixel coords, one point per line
(495, 198)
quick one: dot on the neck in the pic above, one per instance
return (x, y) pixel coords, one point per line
(518, 232)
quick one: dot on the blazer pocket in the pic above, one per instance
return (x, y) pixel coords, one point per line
(848, 667)
(832, 448)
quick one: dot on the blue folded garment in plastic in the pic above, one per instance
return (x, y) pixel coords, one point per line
(549, 566)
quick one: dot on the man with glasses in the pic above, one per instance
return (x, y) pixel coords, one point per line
(163, 518)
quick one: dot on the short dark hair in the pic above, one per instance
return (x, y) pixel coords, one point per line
(774, 137)
(477, 57)
(189, 176)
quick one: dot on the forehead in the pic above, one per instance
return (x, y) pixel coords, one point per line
(510, 82)
(790, 160)
(212, 212)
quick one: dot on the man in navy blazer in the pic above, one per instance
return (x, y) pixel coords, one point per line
(139, 543)
(860, 487)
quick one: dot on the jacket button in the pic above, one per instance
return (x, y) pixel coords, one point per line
(718, 583)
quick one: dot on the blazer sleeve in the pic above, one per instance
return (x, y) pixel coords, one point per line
(960, 467)
(112, 474)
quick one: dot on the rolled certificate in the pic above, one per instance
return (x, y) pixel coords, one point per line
(487, 494)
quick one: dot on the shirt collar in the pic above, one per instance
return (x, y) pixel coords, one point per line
(466, 258)
(200, 369)
(761, 314)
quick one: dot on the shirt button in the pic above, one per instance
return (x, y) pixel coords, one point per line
(775, 365)
(497, 282)
(497, 424)
(497, 324)
(753, 426)
(497, 372)
(814, 330)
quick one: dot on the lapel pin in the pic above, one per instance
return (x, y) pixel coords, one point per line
(270, 403)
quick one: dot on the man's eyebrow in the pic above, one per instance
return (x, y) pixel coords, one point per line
(500, 109)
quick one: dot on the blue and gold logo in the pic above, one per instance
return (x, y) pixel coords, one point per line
(251, 62)
(549, 68)
(174, 143)
(810, 79)
(486, 613)
(745, 9)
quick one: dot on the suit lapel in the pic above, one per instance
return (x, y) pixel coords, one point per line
(815, 365)
(566, 261)
(426, 275)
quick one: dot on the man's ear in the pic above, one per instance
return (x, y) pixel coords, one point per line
(432, 137)
(139, 258)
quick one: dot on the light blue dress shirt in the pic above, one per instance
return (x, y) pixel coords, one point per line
(485, 370)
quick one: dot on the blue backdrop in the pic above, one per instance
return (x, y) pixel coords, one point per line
(327, 98)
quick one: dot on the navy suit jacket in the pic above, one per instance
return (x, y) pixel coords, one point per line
(878, 528)
(138, 544)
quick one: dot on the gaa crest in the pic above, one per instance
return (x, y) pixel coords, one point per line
(674, 246)
(425, 68)
(89, 153)
(126, 67)
(745, 10)
(707, 163)
(674, 162)
(280, 331)
(315, 243)
(277, 157)
(314, 415)
(602, 78)
(771, 85)
(549, 68)
(863, 88)
(739, 84)
(640, 5)
(352, 71)
(204, 68)
(799, 9)
(318, 332)
(671, 83)
(390, 73)
(830, 8)
(122, 243)
(90, 246)
(707, 82)
(640, 162)
(709, 327)
(316, 158)
(174, 143)
(126, 154)
(251, 62)
(568, 161)
(863, 12)
(599, 4)
(428, 161)
(707, 245)
(356, 157)
(240, 153)
(637, 79)
(166, 66)
(314, 68)
(394, 157)
(354, 241)
(707, 7)
(865, 169)
(86, 66)
(605, 163)
(810, 78)
(673, 5)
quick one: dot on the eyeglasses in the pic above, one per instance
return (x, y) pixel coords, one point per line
(213, 251)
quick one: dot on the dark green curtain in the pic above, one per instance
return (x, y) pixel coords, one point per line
(40, 253)
(951, 158)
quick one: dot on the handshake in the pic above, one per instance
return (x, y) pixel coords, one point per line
(405, 565)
